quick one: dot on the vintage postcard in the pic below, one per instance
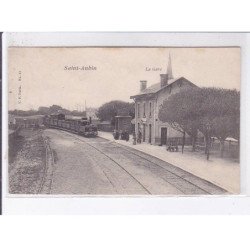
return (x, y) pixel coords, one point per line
(124, 120)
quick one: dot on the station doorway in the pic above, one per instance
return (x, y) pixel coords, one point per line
(163, 136)
(150, 134)
(144, 133)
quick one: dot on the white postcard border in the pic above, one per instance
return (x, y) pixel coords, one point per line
(132, 205)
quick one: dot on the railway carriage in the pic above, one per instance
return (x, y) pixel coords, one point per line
(81, 126)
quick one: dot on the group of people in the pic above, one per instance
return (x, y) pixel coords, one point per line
(122, 135)
(138, 138)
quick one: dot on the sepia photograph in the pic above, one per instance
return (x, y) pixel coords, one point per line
(124, 121)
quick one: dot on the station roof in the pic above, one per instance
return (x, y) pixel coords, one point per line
(153, 89)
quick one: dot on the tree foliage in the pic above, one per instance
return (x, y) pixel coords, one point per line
(106, 112)
(181, 112)
(109, 110)
(54, 109)
(213, 111)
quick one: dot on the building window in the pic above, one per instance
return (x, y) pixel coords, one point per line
(144, 109)
(138, 109)
(150, 109)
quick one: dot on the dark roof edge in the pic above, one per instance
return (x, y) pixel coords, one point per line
(133, 96)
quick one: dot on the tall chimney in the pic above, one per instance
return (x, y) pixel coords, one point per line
(164, 80)
(143, 85)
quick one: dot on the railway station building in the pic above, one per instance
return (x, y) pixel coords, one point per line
(148, 102)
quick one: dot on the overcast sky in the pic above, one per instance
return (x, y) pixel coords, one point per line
(44, 80)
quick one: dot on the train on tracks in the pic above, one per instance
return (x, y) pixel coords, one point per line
(81, 126)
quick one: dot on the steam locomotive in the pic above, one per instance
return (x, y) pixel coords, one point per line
(81, 126)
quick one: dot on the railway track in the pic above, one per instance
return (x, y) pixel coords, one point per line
(110, 158)
(184, 175)
(186, 181)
